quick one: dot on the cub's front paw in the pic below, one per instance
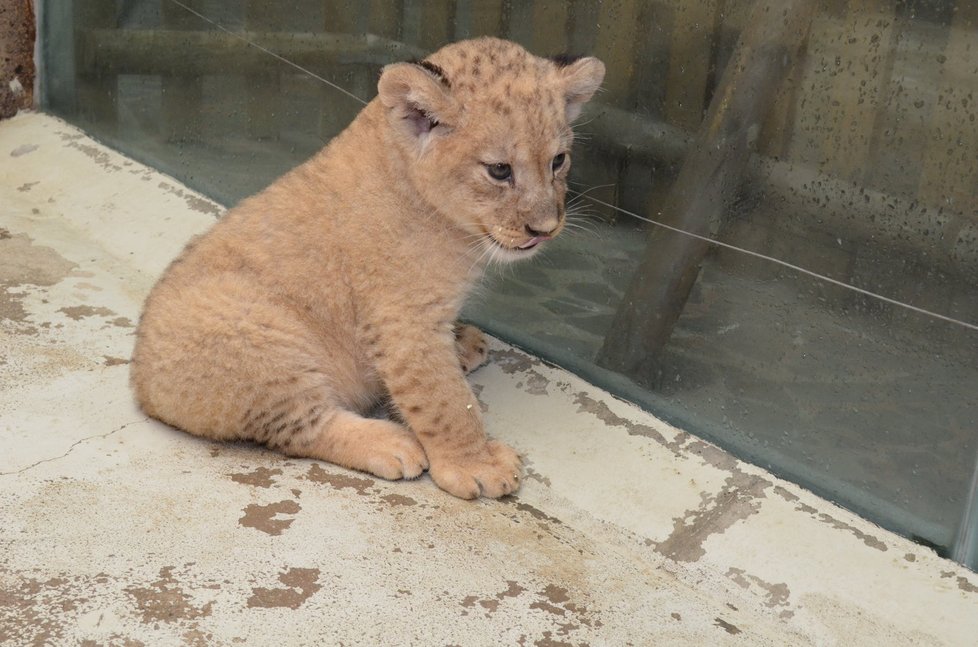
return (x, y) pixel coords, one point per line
(472, 348)
(494, 470)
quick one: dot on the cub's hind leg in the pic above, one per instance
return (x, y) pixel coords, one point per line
(299, 416)
(294, 410)
(381, 447)
(221, 360)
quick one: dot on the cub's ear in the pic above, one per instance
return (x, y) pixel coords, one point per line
(417, 98)
(582, 77)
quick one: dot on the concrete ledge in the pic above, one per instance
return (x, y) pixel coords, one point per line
(120, 530)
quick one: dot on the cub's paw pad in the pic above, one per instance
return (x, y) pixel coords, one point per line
(493, 471)
(471, 346)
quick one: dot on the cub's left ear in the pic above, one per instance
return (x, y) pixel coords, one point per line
(582, 78)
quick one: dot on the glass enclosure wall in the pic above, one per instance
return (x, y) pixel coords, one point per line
(828, 147)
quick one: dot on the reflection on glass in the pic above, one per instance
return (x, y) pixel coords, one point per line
(840, 140)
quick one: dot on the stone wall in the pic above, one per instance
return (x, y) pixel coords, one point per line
(17, 34)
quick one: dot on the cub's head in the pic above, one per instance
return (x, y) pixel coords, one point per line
(483, 130)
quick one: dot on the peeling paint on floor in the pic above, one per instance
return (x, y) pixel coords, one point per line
(24, 265)
(300, 585)
(738, 500)
(120, 530)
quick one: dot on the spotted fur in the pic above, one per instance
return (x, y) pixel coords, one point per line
(340, 284)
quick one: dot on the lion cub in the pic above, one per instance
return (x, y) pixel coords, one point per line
(340, 284)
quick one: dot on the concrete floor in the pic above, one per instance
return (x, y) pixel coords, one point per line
(117, 530)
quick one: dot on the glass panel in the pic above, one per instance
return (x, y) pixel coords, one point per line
(830, 151)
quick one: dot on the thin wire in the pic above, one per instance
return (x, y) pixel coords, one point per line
(792, 266)
(711, 241)
(239, 36)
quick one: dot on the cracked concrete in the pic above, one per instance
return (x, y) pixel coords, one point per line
(71, 447)
(119, 530)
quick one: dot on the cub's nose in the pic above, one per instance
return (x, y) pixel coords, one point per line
(542, 232)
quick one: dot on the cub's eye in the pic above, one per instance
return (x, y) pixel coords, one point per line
(500, 171)
(558, 161)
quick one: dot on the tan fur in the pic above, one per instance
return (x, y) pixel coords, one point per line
(340, 284)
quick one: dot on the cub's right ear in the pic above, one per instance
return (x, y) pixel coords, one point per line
(582, 77)
(417, 100)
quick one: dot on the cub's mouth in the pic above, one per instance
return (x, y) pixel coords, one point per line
(529, 244)
(533, 242)
(508, 248)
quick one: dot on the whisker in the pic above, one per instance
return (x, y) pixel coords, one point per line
(576, 231)
(488, 247)
(578, 216)
(580, 225)
(588, 209)
(593, 188)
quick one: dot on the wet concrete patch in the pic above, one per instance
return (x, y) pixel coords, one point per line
(512, 361)
(587, 404)
(776, 595)
(26, 610)
(738, 500)
(264, 517)
(569, 617)
(963, 583)
(534, 475)
(101, 156)
(24, 264)
(114, 361)
(193, 200)
(824, 517)
(534, 384)
(23, 149)
(262, 477)
(398, 500)
(536, 513)
(300, 585)
(317, 474)
(165, 600)
(726, 626)
(552, 603)
(81, 312)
